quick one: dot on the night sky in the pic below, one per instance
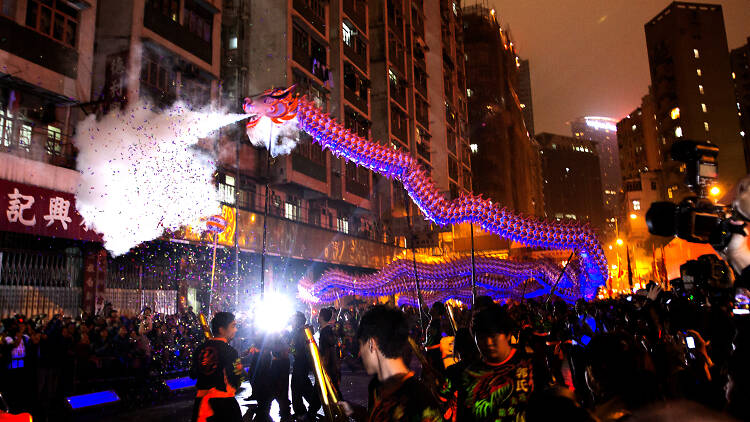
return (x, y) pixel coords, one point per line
(588, 57)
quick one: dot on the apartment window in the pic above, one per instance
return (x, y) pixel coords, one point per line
(346, 34)
(699, 72)
(292, 209)
(696, 53)
(636, 205)
(157, 75)
(199, 21)
(53, 18)
(300, 39)
(675, 113)
(452, 168)
(342, 224)
(678, 132)
(705, 126)
(700, 89)
(54, 140)
(392, 77)
(653, 185)
(233, 43)
(168, 8)
(8, 7)
(226, 190)
(703, 107)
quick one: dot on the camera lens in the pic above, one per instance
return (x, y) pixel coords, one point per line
(661, 218)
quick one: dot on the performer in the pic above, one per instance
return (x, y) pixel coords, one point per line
(217, 368)
(396, 394)
(497, 386)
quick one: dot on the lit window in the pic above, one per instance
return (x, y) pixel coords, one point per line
(233, 43)
(523, 105)
(700, 89)
(636, 205)
(696, 53)
(469, 92)
(734, 76)
(393, 77)
(226, 190)
(54, 140)
(703, 107)
(742, 133)
(699, 72)
(675, 113)
(705, 125)
(342, 225)
(346, 34)
(634, 126)
(474, 148)
(678, 132)
(455, 9)
(291, 211)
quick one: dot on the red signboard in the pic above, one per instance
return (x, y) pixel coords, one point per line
(41, 212)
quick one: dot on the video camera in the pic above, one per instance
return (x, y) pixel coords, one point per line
(696, 218)
(707, 275)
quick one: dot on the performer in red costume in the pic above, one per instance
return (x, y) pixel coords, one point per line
(217, 369)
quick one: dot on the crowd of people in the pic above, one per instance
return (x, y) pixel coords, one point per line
(656, 351)
(43, 360)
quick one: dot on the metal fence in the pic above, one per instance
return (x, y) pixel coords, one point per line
(132, 301)
(40, 269)
(33, 300)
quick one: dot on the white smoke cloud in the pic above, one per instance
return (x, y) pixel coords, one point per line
(285, 136)
(141, 172)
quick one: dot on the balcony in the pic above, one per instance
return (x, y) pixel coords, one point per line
(360, 189)
(25, 139)
(37, 48)
(399, 130)
(423, 149)
(359, 58)
(361, 103)
(422, 113)
(357, 12)
(307, 62)
(308, 167)
(316, 20)
(178, 34)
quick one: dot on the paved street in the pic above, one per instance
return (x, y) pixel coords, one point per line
(353, 388)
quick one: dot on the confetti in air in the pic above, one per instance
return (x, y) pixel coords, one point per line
(141, 172)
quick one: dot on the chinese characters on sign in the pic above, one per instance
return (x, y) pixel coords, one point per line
(38, 211)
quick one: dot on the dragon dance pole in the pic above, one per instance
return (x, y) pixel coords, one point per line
(265, 220)
(473, 269)
(414, 262)
(562, 273)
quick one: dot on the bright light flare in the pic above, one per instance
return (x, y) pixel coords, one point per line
(715, 191)
(273, 312)
(619, 242)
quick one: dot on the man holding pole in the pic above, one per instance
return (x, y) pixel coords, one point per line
(217, 369)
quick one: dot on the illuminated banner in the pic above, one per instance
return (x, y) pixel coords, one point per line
(41, 212)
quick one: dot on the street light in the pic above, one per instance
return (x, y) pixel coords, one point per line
(715, 191)
(619, 242)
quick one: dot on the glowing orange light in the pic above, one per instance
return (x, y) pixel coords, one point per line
(633, 216)
(715, 191)
(619, 242)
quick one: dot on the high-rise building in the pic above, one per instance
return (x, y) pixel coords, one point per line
(572, 180)
(602, 131)
(740, 58)
(524, 95)
(641, 163)
(692, 86)
(503, 152)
